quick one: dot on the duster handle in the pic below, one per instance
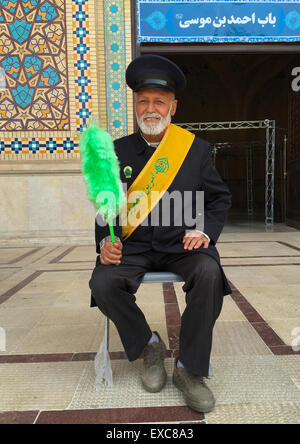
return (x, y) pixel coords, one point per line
(112, 235)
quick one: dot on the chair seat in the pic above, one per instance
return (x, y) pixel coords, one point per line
(158, 277)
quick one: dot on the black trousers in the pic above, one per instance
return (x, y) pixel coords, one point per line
(114, 288)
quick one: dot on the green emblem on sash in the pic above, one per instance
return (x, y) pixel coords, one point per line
(127, 172)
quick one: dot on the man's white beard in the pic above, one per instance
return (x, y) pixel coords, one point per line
(154, 129)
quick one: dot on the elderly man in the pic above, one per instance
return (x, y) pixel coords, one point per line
(162, 158)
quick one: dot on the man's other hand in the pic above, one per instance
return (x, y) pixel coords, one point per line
(195, 239)
(111, 253)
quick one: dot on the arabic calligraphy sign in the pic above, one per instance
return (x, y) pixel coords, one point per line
(175, 21)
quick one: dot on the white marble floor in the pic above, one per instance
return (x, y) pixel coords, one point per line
(49, 336)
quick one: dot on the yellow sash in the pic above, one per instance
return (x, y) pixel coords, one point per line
(155, 178)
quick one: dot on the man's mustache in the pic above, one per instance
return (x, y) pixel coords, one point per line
(151, 115)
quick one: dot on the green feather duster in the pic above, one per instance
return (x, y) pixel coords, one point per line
(101, 172)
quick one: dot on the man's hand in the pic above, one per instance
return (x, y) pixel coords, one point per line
(111, 253)
(195, 239)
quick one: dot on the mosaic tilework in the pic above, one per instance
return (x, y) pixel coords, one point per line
(82, 62)
(95, 41)
(115, 67)
(33, 56)
(38, 145)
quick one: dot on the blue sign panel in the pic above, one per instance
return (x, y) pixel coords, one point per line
(174, 21)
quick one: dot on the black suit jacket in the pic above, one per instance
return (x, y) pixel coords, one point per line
(197, 173)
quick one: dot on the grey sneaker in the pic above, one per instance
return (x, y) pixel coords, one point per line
(154, 375)
(196, 393)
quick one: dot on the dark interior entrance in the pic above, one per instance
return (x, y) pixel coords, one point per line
(242, 87)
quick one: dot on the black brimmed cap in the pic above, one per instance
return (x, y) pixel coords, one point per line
(155, 72)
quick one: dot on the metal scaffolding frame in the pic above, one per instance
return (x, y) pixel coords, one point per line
(269, 126)
(249, 146)
(250, 199)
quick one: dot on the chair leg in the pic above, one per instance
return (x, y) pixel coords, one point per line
(102, 363)
(107, 333)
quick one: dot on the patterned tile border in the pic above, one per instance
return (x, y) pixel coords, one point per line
(115, 67)
(38, 147)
